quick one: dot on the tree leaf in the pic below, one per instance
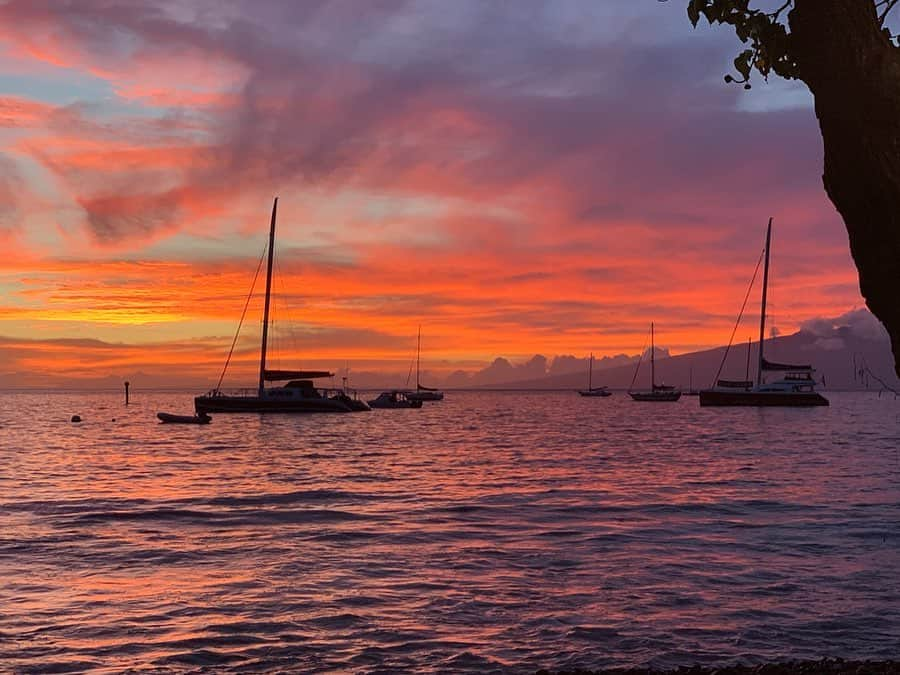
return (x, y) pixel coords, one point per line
(693, 11)
(742, 63)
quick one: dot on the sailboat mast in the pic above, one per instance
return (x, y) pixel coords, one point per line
(747, 373)
(652, 360)
(762, 313)
(418, 353)
(265, 328)
(590, 371)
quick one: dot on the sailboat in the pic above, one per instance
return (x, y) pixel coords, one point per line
(657, 392)
(591, 390)
(421, 392)
(796, 387)
(298, 395)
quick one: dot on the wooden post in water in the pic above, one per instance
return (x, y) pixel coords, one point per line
(126, 392)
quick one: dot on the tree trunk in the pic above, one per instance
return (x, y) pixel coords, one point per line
(853, 71)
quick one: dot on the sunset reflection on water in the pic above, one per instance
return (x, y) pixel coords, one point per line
(494, 530)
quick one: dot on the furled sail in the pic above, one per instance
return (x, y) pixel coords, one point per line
(770, 365)
(735, 384)
(279, 375)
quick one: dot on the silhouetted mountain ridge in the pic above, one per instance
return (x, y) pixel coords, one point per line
(838, 357)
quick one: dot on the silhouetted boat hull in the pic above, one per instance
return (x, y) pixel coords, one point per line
(298, 396)
(395, 399)
(595, 392)
(800, 399)
(169, 418)
(425, 395)
(226, 404)
(656, 396)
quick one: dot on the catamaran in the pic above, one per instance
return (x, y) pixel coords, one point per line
(657, 393)
(591, 390)
(299, 395)
(795, 387)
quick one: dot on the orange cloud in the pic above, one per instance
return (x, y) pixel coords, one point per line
(22, 112)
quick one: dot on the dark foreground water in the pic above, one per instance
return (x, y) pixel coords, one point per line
(496, 531)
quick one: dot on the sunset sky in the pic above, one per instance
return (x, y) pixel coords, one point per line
(517, 177)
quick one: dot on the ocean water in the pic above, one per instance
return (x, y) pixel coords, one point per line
(492, 532)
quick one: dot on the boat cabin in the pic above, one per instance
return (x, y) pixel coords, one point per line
(294, 389)
(792, 381)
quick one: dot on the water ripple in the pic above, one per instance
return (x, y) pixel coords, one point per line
(496, 532)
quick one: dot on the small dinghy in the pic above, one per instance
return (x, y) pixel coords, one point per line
(169, 418)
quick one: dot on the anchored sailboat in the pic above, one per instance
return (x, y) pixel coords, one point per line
(298, 395)
(591, 390)
(796, 387)
(423, 393)
(658, 392)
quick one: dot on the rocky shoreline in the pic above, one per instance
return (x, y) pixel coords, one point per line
(823, 667)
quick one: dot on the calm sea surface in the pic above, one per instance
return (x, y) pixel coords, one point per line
(491, 532)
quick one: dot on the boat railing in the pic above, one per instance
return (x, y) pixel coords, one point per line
(734, 384)
(325, 392)
(338, 391)
(232, 393)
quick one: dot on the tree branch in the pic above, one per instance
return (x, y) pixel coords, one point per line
(774, 15)
(888, 6)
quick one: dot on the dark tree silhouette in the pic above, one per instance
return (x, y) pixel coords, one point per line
(850, 61)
